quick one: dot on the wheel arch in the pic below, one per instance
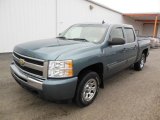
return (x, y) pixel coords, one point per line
(145, 52)
(97, 67)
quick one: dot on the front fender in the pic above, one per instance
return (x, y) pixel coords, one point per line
(87, 61)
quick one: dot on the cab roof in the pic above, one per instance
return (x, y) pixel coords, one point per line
(105, 24)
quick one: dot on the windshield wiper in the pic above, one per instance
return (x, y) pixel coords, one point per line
(61, 37)
(81, 39)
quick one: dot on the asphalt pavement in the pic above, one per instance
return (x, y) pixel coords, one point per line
(128, 95)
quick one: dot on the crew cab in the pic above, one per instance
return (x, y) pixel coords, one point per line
(75, 64)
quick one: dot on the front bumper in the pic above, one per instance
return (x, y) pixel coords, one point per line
(52, 89)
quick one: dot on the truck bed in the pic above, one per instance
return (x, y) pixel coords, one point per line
(144, 43)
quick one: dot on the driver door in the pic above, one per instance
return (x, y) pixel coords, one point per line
(114, 54)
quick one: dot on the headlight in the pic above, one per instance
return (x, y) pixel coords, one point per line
(60, 69)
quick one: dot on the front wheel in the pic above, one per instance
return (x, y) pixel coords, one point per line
(140, 64)
(87, 89)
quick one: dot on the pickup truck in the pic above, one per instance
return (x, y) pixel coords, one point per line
(74, 65)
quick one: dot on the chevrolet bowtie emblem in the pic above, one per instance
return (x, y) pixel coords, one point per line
(21, 62)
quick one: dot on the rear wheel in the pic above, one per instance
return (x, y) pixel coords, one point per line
(87, 89)
(140, 64)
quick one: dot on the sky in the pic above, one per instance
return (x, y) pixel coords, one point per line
(132, 6)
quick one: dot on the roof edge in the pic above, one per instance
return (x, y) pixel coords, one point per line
(103, 6)
(142, 14)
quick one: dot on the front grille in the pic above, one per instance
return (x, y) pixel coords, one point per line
(32, 66)
(36, 72)
(29, 60)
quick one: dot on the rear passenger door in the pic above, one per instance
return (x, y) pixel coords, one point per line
(131, 46)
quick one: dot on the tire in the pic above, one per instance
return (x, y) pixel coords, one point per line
(87, 89)
(140, 64)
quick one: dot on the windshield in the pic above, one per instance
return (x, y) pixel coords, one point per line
(87, 33)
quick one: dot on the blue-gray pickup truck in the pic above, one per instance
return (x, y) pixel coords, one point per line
(74, 65)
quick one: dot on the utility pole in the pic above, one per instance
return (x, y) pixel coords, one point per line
(155, 26)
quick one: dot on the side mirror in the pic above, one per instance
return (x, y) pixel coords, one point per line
(116, 41)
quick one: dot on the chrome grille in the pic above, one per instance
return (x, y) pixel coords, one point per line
(31, 66)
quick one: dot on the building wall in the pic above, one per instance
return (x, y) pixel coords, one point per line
(26, 20)
(148, 30)
(158, 33)
(68, 15)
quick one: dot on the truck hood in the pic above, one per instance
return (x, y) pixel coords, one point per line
(50, 49)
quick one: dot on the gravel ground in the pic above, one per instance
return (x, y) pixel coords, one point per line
(129, 95)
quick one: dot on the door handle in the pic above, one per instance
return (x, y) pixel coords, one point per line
(124, 50)
(135, 47)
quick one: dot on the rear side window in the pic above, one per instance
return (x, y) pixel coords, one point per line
(130, 37)
(117, 33)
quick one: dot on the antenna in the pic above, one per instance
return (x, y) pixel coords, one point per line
(103, 22)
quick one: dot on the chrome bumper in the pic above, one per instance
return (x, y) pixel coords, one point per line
(51, 89)
(21, 77)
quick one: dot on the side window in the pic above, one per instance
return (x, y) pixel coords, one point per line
(117, 33)
(130, 37)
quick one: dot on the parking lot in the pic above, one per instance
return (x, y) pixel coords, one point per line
(129, 95)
